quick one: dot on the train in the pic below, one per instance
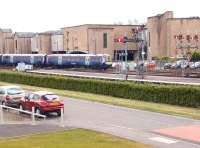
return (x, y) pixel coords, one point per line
(100, 61)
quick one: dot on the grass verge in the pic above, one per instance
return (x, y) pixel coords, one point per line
(78, 138)
(154, 107)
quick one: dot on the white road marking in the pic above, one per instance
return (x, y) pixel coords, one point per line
(163, 140)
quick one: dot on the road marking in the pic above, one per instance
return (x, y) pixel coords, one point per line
(163, 140)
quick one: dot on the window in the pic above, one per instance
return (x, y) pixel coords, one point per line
(2, 92)
(36, 97)
(14, 91)
(105, 40)
(15, 44)
(149, 39)
(50, 97)
(30, 96)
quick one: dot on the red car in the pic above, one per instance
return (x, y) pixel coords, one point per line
(44, 102)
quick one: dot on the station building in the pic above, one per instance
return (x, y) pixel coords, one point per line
(99, 39)
(164, 31)
(4, 33)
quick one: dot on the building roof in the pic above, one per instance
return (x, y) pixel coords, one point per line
(25, 34)
(6, 30)
(160, 15)
(185, 18)
(107, 26)
(52, 32)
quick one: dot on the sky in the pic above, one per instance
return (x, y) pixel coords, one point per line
(45, 15)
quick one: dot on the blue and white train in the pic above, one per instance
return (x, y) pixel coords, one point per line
(101, 61)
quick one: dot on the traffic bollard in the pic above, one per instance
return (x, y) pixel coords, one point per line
(62, 117)
(33, 115)
(1, 114)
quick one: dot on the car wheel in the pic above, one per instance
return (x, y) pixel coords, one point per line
(4, 104)
(38, 111)
(59, 113)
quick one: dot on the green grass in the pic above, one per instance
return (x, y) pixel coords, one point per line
(77, 138)
(155, 107)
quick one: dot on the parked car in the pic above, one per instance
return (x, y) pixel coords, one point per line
(149, 64)
(180, 64)
(43, 102)
(168, 65)
(11, 95)
(197, 64)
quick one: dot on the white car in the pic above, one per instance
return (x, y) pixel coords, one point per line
(197, 64)
(11, 95)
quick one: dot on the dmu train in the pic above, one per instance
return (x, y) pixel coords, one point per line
(100, 61)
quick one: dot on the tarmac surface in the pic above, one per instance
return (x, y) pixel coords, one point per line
(142, 126)
(154, 79)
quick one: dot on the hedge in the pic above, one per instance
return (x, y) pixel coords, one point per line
(183, 95)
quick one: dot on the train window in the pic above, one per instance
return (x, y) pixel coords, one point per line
(105, 40)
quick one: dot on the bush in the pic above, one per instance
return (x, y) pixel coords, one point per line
(183, 95)
(195, 56)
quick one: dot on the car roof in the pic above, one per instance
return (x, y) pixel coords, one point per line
(41, 93)
(9, 86)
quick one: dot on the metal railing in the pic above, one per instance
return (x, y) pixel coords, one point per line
(32, 113)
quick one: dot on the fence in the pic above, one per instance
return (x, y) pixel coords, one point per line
(32, 113)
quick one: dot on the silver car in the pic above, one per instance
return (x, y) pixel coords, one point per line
(11, 95)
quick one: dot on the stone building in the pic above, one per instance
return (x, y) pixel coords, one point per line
(4, 33)
(163, 32)
(44, 43)
(57, 42)
(22, 42)
(9, 45)
(99, 39)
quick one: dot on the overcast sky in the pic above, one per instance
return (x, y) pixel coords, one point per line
(43, 15)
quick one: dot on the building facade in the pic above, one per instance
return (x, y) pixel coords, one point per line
(57, 42)
(9, 45)
(4, 33)
(172, 37)
(44, 43)
(22, 42)
(99, 39)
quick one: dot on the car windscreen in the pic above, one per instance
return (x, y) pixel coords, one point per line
(50, 97)
(14, 91)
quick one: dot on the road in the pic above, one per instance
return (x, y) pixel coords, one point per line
(124, 122)
(154, 79)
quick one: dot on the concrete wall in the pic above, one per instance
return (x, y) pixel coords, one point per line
(157, 33)
(162, 30)
(89, 38)
(57, 43)
(76, 38)
(3, 36)
(22, 45)
(44, 41)
(9, 46)
(184, 26)
(96, 43)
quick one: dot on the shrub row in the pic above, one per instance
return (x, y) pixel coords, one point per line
(183, 95)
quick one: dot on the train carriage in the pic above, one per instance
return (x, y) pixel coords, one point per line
(14, 59)
(99, 61)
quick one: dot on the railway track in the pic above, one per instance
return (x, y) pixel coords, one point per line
(168, 72)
